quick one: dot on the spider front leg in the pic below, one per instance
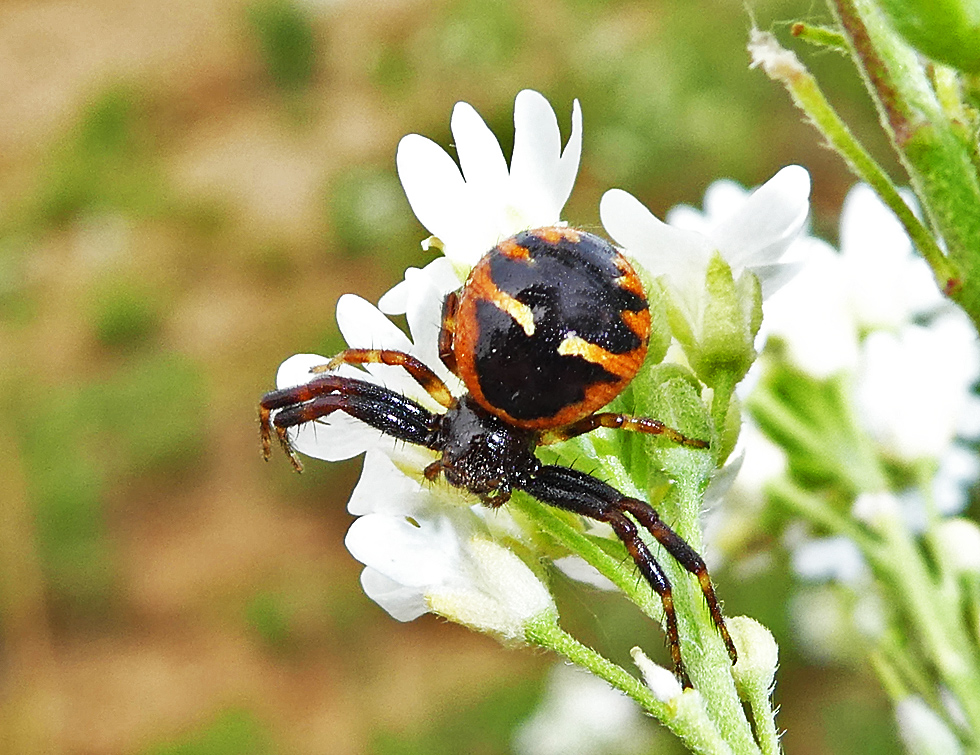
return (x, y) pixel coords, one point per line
(588, 496)
(422, 374)
(375, 405)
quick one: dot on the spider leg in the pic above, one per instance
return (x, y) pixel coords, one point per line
(375, 405)
(623, 422)
(421, 372)
(588, 496)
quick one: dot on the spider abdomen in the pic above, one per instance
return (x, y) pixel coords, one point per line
(551, 325)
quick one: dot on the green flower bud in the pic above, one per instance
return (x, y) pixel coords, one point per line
(720, 346)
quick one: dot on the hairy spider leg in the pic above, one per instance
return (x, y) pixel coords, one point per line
(421, 372)
(646, 425)
(575, 491)
(375, 405)
(686, 556)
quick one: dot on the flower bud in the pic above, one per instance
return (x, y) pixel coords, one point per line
(758, 656)
(720, 345)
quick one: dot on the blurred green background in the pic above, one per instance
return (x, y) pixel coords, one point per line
(185, 190)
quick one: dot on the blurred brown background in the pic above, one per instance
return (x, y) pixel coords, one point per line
(185, 190)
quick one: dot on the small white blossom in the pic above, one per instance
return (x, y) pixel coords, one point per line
(820, 345)
(473, 206)
(960, 541)
(751, 232)
(914, 386)
(581, 714)
(876, 281)
(872, 508)
(830, 558)
(922, 730)
(887, 283)
(661, 682)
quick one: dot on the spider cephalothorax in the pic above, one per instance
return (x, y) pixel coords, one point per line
(551, 325)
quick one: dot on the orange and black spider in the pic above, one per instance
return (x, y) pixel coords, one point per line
(550, 326)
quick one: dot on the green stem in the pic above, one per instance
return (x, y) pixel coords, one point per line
(784, 67)
(695, 731)
(938, 161)
(938, 625)
(706, 658)
(765, 721)
(811, 507)
(849, 459)
(613, 568)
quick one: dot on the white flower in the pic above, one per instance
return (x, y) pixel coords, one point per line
(751, 232)
(922, 729)
(812, 317)
(875, 282)
(830, 558)
(472, 207)
(364, 326)
(960, 540)
(580, 715)
(443, 561)
(914, 386)
(887, 283)
(425, 545)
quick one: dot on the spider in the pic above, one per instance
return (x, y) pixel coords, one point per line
(551, 325)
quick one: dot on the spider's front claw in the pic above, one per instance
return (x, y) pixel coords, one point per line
(265, 435)
(288, 449)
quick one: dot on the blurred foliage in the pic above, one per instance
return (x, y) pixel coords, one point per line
(234, 732)
(367, 214)
(484, 727)
(107, 161)
(286, 38)
(143, 422)
(123, 312)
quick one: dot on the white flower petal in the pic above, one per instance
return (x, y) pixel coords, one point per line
(768, 221)
(332, 438)
(539, 171)
(480, 156)
(659, 248)
(296, 370)
(922, 729)
(384, 489)
(830, 558)
(889, 284)
(819, 345)
(471, 216)
(418, 553)
(580, 714)
(424, 315)
(441, 275)
(914, 385)
(402, 603)
(433, 185)
(365, 327)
